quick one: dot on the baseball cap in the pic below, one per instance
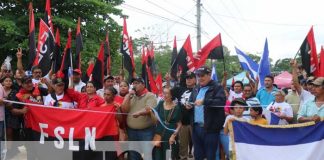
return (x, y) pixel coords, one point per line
(203, 70)
(310, 79)
(138, 79)
(58, 81)
(109, 77)
(190, 74)
(318, 81)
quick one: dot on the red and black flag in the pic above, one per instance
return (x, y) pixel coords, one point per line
(48, 16)
(45, 48)
(98, 69)
(151, 80)
(78, 46)
(150, 59)
(144, 68)
(212, 50)
(57, 57)
(309, 55)
(128, 58)
(321, 64)
(31, 37)
(87, 75)
(66, 60)
(107, 57)
(174, 66)
(185, 60)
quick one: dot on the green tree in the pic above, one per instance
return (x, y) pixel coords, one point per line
(282, 65)
(95, 18)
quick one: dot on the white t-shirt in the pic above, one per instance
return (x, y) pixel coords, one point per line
(282, 108)
(232, 95)
(49, 101)
(78, 87)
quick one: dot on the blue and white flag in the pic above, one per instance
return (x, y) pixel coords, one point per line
(214, 73)
(272, 118)
(298, 142)
(247, 63)
(264, 65)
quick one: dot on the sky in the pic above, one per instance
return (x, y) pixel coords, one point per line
(242, 23)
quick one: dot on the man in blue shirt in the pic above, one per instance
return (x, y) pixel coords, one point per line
(266, 94)
(207, 114)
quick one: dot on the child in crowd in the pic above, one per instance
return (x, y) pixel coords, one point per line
(238, 106)
(256, 115)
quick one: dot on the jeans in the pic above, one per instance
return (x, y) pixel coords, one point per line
(224, 140)
(140, 135)
(205, 143)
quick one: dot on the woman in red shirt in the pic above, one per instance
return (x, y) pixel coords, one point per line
(86, 100)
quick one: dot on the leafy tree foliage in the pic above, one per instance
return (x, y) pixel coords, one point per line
(95, 18)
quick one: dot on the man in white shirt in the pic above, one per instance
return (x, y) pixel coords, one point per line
(59, 98)
(282, 109)
(108, 82)
(78, 84)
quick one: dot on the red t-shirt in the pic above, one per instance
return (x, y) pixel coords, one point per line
(84, 101)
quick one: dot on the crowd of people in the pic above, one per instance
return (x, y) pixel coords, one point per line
(194, 119)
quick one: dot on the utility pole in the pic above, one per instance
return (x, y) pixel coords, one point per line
(198, 25)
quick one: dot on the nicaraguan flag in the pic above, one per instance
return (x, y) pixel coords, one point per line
(271, 117)
(264, 65)
(247, 63)
(300, 142)
(214, 73)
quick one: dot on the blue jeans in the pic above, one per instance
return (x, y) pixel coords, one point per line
(140, 135)
(224, 140)
(205, 143)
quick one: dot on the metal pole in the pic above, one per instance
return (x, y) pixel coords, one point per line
(198, 25)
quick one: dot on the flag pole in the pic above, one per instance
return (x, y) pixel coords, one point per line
(71, 54)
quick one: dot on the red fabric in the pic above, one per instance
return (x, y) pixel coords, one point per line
(31, 18)
(90, 68)
(153, 87)
(313, 55)
(321, 64)
(48, 12)
(190, 59)
(104, 123)
(158, 82)
(227, 107)
(83, 100)
(205, 51)
(43, 28)
(118, 99)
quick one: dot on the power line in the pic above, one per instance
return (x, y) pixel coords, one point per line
(264, 22)
(155, 15)
(220, 26)
(169, 12)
